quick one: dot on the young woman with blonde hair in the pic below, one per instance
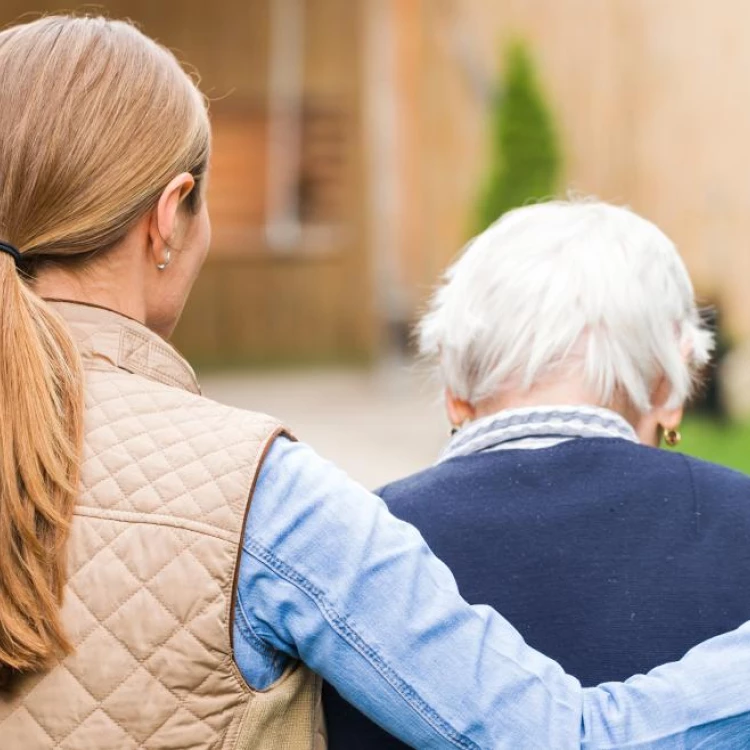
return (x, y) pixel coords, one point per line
(141, 604)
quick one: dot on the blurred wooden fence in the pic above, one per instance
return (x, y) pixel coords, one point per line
(307, 297)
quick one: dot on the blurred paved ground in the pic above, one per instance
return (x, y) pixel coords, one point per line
(378, 425)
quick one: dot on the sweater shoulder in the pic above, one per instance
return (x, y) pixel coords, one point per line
(595, 462)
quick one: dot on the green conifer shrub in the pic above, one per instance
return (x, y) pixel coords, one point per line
(525, 160)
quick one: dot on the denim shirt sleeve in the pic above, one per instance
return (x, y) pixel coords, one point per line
(329, 577)
(700, 702)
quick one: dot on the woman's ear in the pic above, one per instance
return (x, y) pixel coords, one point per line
(661, 418)
(668, 417)
(165, 219)
(459, 411)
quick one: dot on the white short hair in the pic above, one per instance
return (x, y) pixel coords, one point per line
(564, 285)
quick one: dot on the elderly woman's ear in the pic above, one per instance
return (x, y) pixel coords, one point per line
(661, 419)
(459, 411)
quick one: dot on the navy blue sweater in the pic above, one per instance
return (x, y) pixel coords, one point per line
(608, 556)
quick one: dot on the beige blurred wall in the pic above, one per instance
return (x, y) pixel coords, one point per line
(255, 301)
(652, 99)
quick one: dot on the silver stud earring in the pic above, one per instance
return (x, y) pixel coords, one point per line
(167, 259)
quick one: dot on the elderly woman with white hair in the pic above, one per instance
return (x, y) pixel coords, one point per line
(568, 339)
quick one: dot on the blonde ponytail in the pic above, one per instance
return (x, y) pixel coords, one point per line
(95, 120)
(41, 427)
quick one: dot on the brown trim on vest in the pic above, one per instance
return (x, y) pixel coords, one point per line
(260, 458)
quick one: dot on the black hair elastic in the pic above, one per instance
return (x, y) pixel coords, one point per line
(10, 250)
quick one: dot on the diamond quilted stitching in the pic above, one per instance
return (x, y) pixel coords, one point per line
(59, 717)
(23, 731)
(178, 657)
(99, 724)
(106, 673)
(142, 497)
(141, 703)
(171, 735)
(104, 583)
(145, 551)
(143, 622)
(218, 563)
(105, 488)
(202, 627)
(6, 706)
(208, 701)
(151, 448)
(203, 582)
(79, 622)
(185, 463)
(109, 532)
(86, 538)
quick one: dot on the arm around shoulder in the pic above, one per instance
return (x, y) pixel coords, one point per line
(328, 576)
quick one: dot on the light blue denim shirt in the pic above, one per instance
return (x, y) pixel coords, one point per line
(329, 577)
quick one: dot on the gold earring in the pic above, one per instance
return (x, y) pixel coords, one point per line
(672, 437)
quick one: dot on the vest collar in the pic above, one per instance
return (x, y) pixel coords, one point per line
(105, 335)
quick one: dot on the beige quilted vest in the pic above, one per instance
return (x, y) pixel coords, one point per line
(167, 477)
